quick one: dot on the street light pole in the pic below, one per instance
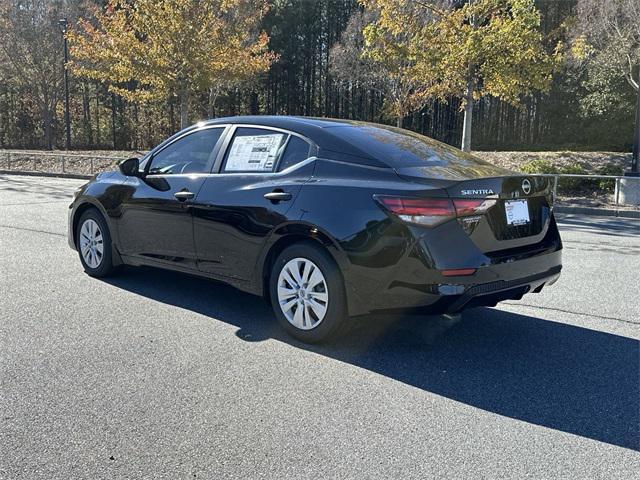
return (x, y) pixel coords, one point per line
(636, 139)
(63, 22)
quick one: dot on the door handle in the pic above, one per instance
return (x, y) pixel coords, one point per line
(278, 196)
(183, 195)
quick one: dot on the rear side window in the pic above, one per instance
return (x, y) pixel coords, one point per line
(296, 151)
(189, 154)
(254, 150)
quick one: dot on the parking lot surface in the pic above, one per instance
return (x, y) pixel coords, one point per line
(157, 375)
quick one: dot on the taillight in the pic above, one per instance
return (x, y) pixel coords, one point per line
(433, 211)
(466, 206)
(426, 211)
(458, 272)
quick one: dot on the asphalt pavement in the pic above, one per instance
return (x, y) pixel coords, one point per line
(157, 375)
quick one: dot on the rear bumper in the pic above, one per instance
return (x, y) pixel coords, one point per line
(416, 287)
(489, 294)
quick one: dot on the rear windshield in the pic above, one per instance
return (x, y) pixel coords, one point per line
(402, 148)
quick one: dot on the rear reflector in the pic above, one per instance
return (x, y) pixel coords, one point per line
(458, 272)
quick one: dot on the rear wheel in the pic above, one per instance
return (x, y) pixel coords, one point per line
(93, 242)
(307, 293)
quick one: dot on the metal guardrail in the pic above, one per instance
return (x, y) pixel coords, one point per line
(556, 176)
(93, 158)
(22, 157)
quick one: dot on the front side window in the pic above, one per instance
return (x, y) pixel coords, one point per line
(189, 154)
(254, 150)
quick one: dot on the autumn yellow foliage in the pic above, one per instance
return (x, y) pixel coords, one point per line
(151, 49)
(484, 47)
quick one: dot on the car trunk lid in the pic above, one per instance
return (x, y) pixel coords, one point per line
(517, 211)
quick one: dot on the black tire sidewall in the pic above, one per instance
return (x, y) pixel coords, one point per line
(106, 266)
(336, 311)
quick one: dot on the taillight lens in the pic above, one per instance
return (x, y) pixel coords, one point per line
(432, 211)
(426, 211)
(472, 206)
(466, 206)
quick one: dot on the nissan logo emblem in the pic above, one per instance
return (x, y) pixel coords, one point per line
(526, 186)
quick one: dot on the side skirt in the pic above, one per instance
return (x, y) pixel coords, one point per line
(138, 261)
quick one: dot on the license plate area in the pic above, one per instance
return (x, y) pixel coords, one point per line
(517, 212)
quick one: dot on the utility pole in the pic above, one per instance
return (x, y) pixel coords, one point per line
(63, 22)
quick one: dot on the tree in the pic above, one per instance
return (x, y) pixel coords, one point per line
(608, 41)
(152, 49)
(609, 32)
(320, 72)
(389, 74)
(484, 47)
(31, 47)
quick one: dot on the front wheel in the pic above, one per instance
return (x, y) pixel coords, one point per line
(93, 242)
(307, 293)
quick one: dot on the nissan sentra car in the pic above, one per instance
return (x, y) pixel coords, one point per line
(326, 219)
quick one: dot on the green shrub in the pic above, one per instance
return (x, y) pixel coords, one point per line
(573, 169)
(609, 169)
(572, 185)
(539, 166)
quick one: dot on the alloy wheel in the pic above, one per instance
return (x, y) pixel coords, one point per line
(91, 243)
(302, 293)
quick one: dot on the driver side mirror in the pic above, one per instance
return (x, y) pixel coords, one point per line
(130, 167)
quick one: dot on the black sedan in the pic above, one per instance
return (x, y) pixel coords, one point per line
(326, 219)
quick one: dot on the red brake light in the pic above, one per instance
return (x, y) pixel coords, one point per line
(419, 206)
(433, 211)
(425, 211)
(468, 206)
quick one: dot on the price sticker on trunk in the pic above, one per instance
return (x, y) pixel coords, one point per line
(517, 212)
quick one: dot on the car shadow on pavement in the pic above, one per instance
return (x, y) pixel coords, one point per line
(559, 376)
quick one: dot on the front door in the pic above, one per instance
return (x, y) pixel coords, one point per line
(156, 220)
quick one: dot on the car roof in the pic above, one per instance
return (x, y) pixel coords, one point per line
(284, 121)
(324, 132)
(354, 141)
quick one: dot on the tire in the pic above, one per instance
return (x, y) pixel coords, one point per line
(319, 308)
(95, 256)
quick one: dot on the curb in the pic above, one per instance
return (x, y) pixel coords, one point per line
(46, 174)
(602, 212)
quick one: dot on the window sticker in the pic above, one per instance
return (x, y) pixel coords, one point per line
(254, 153)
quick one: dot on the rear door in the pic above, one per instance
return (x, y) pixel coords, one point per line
(156, 220)
(260, 173)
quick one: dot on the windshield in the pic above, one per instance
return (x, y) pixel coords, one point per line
(403, 148)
